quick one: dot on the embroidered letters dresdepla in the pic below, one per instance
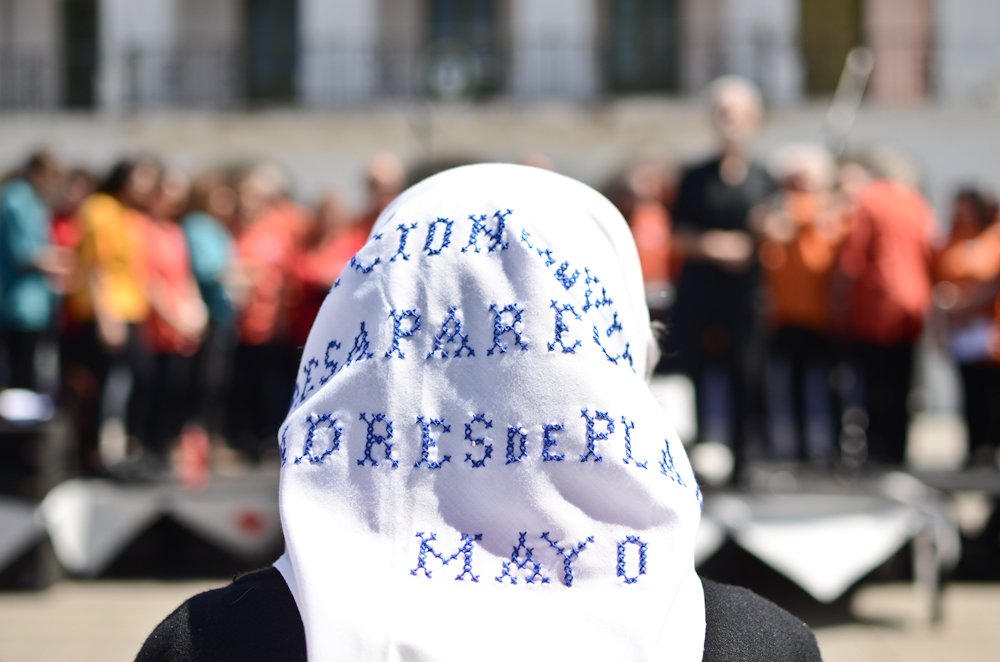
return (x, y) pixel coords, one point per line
(595, 433)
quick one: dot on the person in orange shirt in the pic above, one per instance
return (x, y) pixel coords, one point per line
(800, 232)
(109, 296)
(644, 208)
(967, 274)
(883, 285)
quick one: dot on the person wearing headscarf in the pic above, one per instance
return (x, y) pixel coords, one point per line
(473, 466)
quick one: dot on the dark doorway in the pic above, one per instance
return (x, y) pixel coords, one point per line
(642, 45)
(79, 53)
(271, 50)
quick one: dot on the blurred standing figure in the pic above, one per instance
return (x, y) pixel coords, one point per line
(110, 297)
(800, 236)
(715, 337)
(266, 246)
(209, 238)
(325, 253)
(884, 279)
(645, 188)
(30, 266)
(384, 179)
(178, 317)
(967, 271)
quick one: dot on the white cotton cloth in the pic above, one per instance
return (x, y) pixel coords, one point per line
(473, 467)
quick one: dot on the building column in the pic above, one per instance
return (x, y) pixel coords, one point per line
(339, 54)
(898, 32)
(966, 56)
(554, 49)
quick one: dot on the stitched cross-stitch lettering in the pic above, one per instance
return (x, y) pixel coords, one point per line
(465, 551)
(451, 333)
(361, 349)
(611, 330)
(495, 236)
(428, 442)
(566, 279)
(399, 332)
(629, 426)
(478, 441)
(522, 559)
(516, 431)
(367, 268)
(445, 237)
(404, 233)
(567, 556)
(500, 328)
(329, 363)
(622, 572)
(562, 328)
(588, 303)
(549, 442)
(372, 439)
(593, 436)
(667, 467)
(307, 385)
(315, 420)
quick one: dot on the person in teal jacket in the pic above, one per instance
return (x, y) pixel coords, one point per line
(29, 265)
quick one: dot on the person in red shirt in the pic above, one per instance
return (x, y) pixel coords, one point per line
(884, 278)
(328, 248)
(267, 235)
(177, 318)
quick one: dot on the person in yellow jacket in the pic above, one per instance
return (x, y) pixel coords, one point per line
(110, 295)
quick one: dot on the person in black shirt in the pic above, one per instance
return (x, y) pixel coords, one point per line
(716, 319)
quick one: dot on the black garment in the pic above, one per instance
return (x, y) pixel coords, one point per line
(263, 376)
(172, 379)
(255, 618)
(22, 350)
(95, 365)
(807, 353)
(887, 375)
(716, 320)
(980, 398)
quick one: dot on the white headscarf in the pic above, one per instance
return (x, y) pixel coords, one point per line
(473, 467)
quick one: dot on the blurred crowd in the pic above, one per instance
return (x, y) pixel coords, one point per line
(793, 293)
(176, 306)
(796, 293)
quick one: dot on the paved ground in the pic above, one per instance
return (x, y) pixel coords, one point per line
(107, 620)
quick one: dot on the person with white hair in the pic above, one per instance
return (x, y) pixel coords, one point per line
(716, 320)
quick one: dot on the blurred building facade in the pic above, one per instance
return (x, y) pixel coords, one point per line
(114, 55)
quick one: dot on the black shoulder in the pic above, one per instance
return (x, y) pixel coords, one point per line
(741, 625)
(254, 618)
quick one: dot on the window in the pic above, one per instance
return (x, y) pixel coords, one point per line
(79, 52)
(271, 50)
(642, 45)
(464, 49)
